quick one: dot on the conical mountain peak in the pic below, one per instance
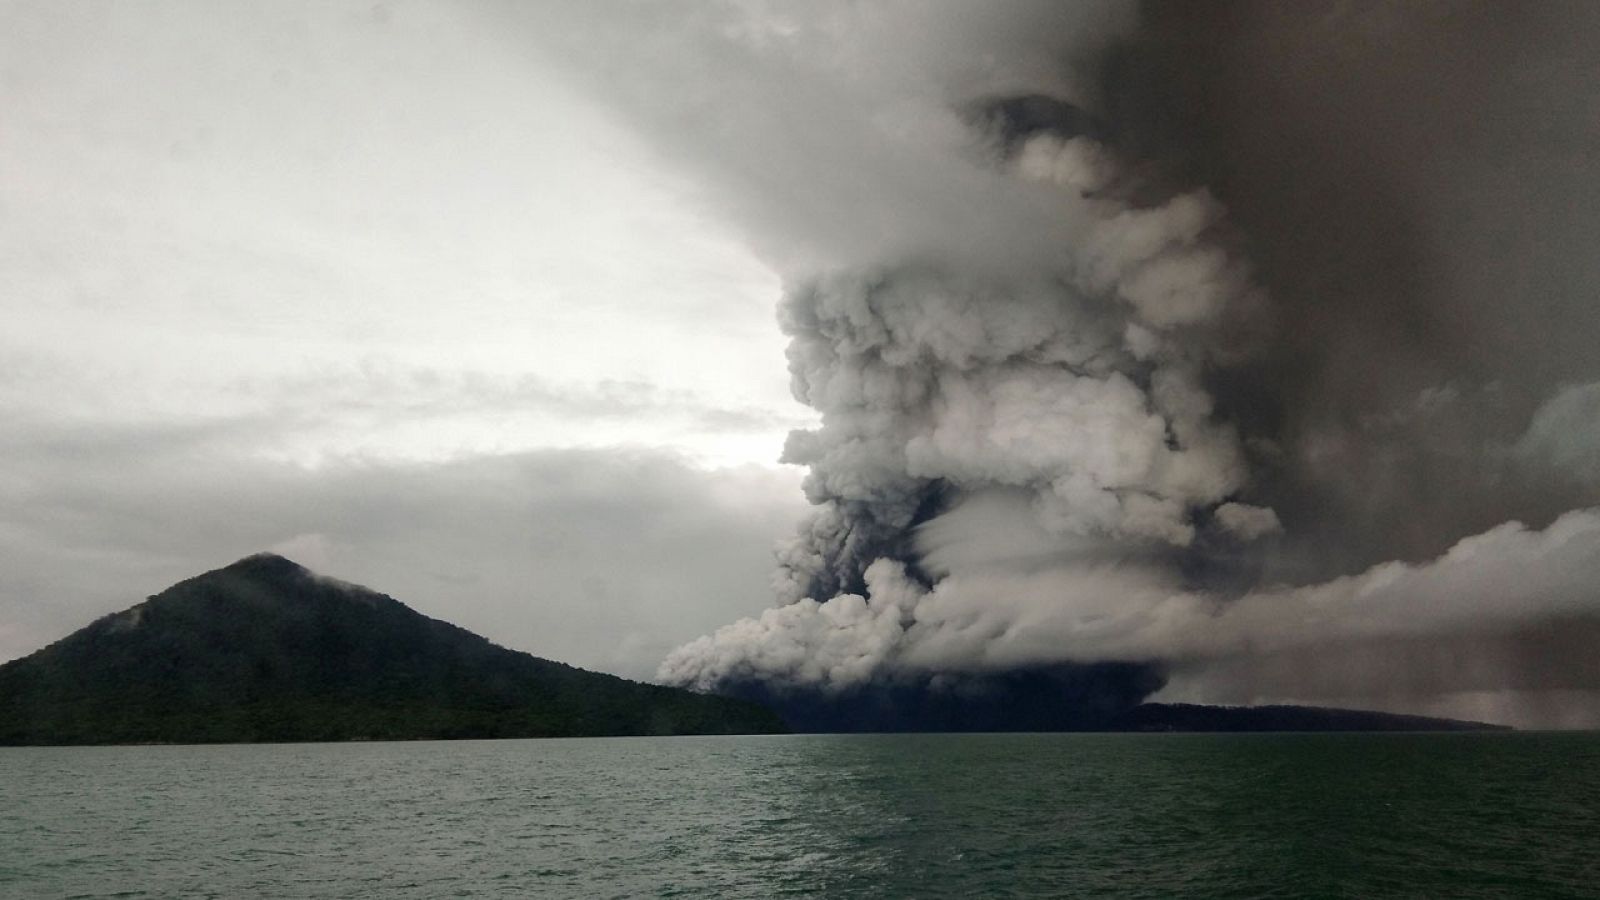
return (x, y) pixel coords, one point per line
(267, 564)
(267, 650)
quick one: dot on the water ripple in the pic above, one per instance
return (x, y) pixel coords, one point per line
(820, 816)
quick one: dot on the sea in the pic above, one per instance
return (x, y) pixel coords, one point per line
(913, 816)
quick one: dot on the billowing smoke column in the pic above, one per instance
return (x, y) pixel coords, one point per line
(1245, 348)
(1075, 391)
(1080, 386)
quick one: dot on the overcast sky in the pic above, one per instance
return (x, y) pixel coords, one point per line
(368, 285)
(1252, 342)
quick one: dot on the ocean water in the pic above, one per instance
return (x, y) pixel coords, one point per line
(1350, 815)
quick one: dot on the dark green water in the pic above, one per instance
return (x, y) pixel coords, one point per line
(1448, 815)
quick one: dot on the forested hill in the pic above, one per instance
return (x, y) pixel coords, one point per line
(264, 650)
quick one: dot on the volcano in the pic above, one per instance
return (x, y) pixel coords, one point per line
(266, 650)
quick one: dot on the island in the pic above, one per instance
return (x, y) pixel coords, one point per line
(266, 650)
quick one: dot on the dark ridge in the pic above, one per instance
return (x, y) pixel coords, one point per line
(266, 650)
(1191, 717)
(1063, 697)
(267, 565)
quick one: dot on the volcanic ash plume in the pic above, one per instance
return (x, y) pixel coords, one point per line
(1075, 442)
(1072, 395)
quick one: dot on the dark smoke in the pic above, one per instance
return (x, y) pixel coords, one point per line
(1417, 184)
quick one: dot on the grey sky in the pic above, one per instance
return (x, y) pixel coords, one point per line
(368, 284)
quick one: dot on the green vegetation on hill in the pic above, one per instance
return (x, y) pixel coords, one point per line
(264, 650)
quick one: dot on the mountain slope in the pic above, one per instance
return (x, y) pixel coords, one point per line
(264, 650)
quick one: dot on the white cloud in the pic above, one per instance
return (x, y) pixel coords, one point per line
(1563, 438)
(208, 200)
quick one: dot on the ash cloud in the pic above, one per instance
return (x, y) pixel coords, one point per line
(1416, 184)
(1186, 338)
